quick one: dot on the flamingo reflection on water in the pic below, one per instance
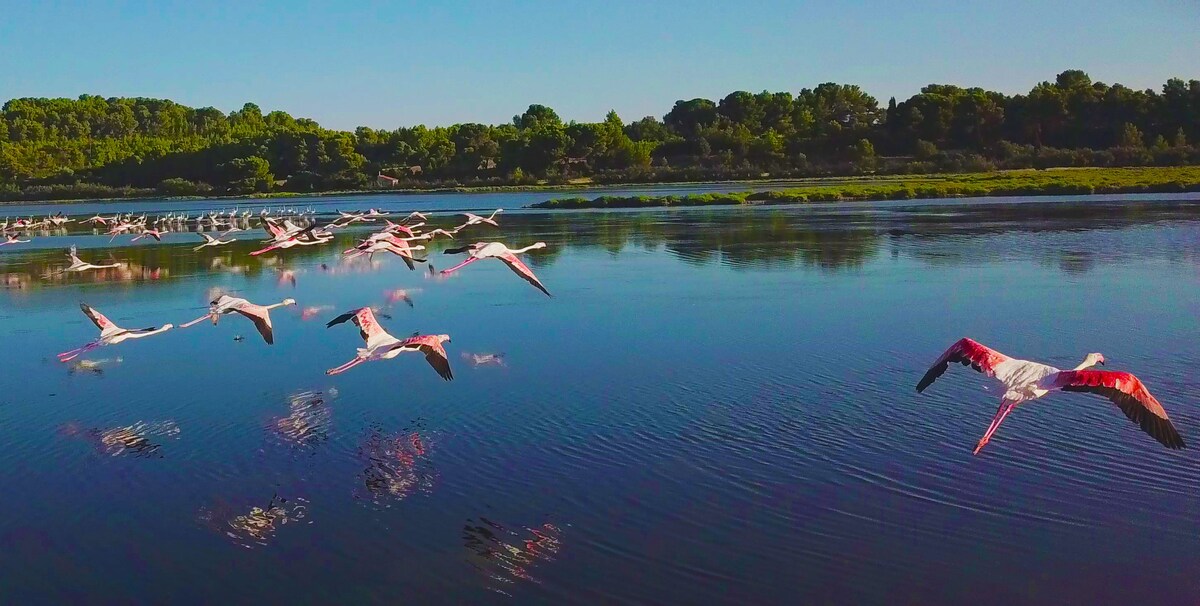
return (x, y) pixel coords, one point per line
(1025, 381)
(110, 334)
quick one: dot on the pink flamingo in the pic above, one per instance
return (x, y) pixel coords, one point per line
(394, 245)
(151, 233)
(259, 314)
(305, 238)
(473, 219)
(1027, 380)
(78, 265)
(211, 241)
(383, 346)
(13, 240)
(110, 334)
(496, 250)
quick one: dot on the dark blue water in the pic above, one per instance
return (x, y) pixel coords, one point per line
(716, 407)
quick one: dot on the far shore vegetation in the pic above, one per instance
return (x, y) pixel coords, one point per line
(1009, 183)
(94, 147)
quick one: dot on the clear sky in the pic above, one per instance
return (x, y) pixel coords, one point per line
(392, 64)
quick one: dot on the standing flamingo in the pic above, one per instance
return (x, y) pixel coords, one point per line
(383, 346)
(258, 314)
(1027, 380)
(496, 250)
(110, 334)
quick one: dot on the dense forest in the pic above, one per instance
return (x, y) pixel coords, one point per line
(97, 147)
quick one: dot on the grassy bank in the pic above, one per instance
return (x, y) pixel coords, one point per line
(1055, 182)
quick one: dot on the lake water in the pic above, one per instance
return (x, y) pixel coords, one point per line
(716, 407)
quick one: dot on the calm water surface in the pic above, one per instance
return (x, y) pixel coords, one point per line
(716, 407)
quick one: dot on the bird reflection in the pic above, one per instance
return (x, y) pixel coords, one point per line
(484, 359)
(311, 312)
(505, 556)
(93, 366)
(307, 423)
(134, 440)
(400, 295)
(259, 525)
(396, 465)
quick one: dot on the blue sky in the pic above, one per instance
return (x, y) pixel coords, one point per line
(389, 64)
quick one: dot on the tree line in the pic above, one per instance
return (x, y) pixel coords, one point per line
(136, 146)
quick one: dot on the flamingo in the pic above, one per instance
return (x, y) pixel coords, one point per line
(383, 346)
(13, 240)
(110, 334)
(211, 241)
(473, 219)
(305, 238)
(258, 314)
(77, 265)
(387, 243)
(151, 233)
(496, 250)
(1027, 381)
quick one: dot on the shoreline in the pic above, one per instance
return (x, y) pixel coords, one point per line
(768, 191)
(1052, 182)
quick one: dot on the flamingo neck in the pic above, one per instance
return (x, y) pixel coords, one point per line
(1087, 362)
(527, 248)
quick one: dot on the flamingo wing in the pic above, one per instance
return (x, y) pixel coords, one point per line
(967, 352)
(522, 270)
(103, 323)
(368, 327)
(436, 356)
(1128, 393)
(262, 321)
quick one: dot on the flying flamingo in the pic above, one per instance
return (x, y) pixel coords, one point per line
(13, 240)
(304, 238)
(383, 346)
(1027, 380)
(78, 265)
(473, 219)
(151, 233)
(394, 245)
(211, 241)
(110, 334)
(258, 314)
(496, 250)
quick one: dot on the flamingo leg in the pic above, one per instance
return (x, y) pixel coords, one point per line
(196, 321)
(460, 265)
(67, 356)
(1006, 406)
(346, 366)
